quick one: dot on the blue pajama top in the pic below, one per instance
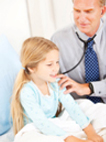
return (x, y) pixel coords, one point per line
(38, 108)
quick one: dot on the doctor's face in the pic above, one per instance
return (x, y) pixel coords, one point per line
(87, 15)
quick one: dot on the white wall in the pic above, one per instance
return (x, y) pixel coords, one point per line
(63, 12)
(14, 21)
(20, 19)
(49, 15)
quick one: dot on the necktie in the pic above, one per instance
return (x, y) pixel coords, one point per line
(91, 68)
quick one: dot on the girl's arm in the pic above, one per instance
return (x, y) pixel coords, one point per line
(34, 112)
(92, 135)
(76, 114)
(73, 109)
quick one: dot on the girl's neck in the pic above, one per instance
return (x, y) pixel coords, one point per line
(37, 81)
(42, 86)
(44, 89)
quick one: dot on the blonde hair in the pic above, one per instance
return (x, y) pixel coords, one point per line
(33, 51)
(101, 2)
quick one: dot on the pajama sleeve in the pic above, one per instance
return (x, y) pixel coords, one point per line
(37, 116)
(73, 109)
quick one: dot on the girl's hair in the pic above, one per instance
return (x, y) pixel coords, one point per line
(33, 51)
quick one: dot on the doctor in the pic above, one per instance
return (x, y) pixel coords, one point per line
(88, 79)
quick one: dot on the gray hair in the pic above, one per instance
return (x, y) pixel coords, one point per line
(101, 2)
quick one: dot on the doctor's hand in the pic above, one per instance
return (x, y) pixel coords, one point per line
(73, 86)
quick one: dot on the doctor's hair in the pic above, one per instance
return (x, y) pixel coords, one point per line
(101, 2)
(33, 51)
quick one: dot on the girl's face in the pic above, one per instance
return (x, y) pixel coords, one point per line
(47, 69)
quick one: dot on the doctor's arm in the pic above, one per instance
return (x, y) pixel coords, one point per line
(99, 87)
(73, 86)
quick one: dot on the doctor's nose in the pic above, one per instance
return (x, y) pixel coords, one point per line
(82, 17)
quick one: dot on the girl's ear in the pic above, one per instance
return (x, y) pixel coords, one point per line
(31, 70)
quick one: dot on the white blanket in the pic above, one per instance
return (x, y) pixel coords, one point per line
(96, 113)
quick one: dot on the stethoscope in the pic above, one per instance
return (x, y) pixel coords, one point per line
(85, 48)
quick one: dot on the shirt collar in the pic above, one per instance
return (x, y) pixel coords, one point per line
(98, 34)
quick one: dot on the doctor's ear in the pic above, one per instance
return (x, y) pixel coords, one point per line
(103, 10)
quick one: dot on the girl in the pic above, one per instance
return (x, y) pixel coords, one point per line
(36, 93)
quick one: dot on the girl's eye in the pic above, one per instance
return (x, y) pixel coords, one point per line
(49, 64)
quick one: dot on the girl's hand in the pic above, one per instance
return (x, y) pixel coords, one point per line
(95, 138)
(75, 139)
(92, 135)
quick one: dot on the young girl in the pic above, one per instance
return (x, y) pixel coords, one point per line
(36, 93)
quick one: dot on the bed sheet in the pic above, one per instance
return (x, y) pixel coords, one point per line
(96, 114)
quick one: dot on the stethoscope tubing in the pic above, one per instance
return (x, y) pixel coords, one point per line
(85, 48)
